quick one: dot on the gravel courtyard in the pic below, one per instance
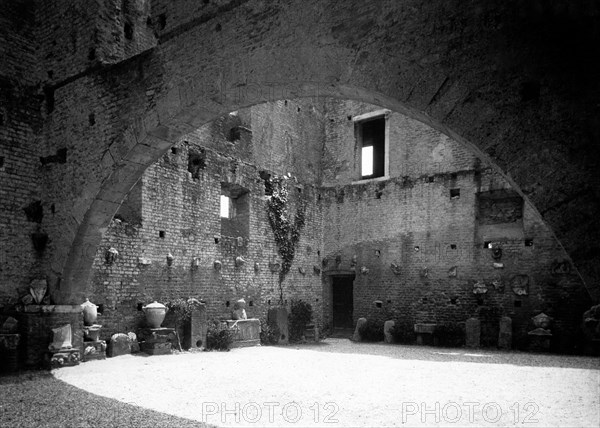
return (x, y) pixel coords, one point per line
(334, 383)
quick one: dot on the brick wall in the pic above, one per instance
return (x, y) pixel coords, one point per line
(20, 121)
(410, 233)
(175, 211)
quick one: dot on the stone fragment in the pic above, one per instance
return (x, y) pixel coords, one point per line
(505, 333)
(9, 326)
(135, 346)
(387, 331)
(473, 333)
(120, 344)
(38, 288)
(61, 339)
(357, 337)
(520, 285)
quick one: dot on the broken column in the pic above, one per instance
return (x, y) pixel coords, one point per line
(387, 331)
(505, 334)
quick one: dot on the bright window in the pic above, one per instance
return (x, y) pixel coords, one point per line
(367, 161)
(225, 206)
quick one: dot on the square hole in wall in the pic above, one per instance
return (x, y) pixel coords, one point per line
(161, 233)
(454, 193)
(453, 246)
(529, 242)
(174, 150)
(196, 163)
(487, 244)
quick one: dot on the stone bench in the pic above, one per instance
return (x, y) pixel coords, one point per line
(426, 334)
(245, 332)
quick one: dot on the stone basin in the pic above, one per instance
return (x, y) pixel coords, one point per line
(245, 332)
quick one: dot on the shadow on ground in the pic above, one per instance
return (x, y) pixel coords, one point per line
(430, 353)
(38, 399)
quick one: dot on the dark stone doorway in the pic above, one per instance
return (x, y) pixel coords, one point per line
(343, 302)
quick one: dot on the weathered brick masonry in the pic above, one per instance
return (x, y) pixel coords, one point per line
(175, 211)
(406, 229)
(411, 221)
(92, 93)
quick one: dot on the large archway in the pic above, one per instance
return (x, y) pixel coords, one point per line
(485, 75)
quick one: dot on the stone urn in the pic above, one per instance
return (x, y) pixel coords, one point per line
(155, 314)
(90, 312)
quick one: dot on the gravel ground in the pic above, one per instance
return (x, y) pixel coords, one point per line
(334, 383)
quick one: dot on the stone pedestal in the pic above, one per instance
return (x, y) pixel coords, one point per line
(473, 333)
(387, 331)
(198, 329)
(279, 316)
(245, 332)
(9, 352)
(36, 323)
(62, 358)
(426, 334)
(356, 337)
(311, 333)
(91, 332)
(157, 341)
(539, 340)
(505, 334)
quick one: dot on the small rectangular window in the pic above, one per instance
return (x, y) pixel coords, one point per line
(454, 193)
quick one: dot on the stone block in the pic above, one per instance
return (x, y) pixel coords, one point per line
(505, 334)
(245, 332)
(156, 348)
(279, 316)
(387, 331)
(120, 344)
(357, 337)
(473, 333)
(425, 333)
(198, 328)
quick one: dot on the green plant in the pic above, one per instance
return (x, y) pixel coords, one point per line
(372, 331)
(182, 308)
(403, 332)
(450, 334)
(269, 333)
(300, 316)
(218, 337)
(285, 231)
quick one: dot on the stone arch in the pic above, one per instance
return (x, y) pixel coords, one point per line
(386, 55)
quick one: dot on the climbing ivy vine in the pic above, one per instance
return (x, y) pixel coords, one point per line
(286, 231)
